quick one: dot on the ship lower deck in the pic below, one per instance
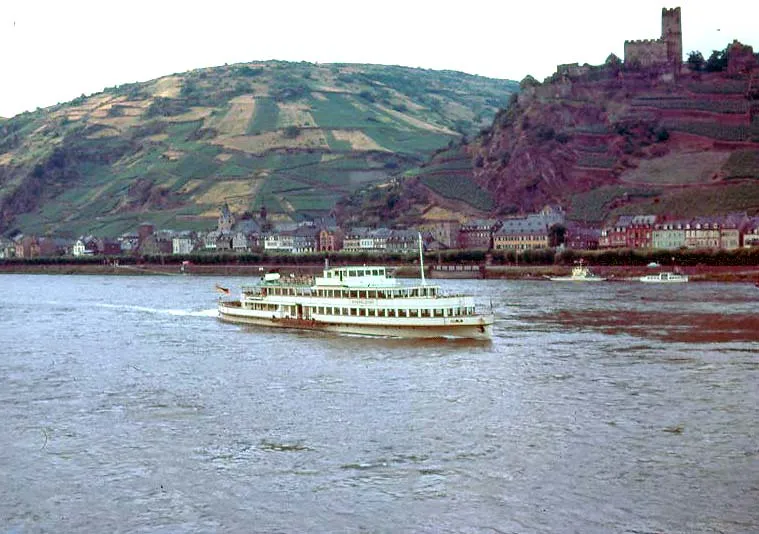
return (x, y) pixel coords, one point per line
(474, 327)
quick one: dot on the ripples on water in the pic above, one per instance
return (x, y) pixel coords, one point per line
(125, 406)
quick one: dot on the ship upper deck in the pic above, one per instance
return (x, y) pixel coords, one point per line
(364, 276)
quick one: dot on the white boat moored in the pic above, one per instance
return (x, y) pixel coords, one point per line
(664, 278)
(580, 273)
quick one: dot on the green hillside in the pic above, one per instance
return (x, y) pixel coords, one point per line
(293, 137)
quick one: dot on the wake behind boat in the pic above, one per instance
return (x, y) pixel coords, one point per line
(363, 300)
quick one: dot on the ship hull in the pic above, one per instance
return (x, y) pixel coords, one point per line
(479, 327)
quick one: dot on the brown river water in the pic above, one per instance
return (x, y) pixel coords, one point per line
(125, 406)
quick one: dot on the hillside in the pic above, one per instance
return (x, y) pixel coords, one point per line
(293, 137)
(608, 141)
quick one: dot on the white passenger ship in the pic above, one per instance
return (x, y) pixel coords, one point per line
(363, 300)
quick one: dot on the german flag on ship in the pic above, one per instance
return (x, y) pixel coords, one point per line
(220, 289)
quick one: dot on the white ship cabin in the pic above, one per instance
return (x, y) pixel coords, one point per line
(365, 282)
(366, 276)
(370, 282)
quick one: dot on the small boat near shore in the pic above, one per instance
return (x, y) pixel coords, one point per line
(580, 273)
(664, 278)
(365, 300)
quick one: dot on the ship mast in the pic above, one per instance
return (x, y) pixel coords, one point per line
(421, 259)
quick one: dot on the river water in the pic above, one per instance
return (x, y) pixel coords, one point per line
(125, 406)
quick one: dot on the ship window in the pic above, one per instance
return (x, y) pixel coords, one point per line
(438, 312)
(375, 272)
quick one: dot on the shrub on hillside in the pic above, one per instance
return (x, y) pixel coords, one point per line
(166, 107)
(291, 132)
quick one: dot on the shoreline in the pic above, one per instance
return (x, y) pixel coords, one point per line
(698, 273)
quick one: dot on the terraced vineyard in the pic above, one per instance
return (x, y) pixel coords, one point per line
(292, 137)
(697, 104)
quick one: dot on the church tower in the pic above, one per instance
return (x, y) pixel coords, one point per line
(672, 34)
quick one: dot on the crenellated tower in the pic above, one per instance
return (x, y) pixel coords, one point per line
(672, 34)
(665, 53)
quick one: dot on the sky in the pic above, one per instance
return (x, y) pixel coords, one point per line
(54, 51)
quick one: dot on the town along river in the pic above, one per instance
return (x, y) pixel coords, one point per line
(615, 407)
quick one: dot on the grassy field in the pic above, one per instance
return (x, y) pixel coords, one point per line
(742, 164)
(678, 168)
(265, 116)
(712, 130)
(594, 206)
(692, 202)
(697, 104)
(459, 188)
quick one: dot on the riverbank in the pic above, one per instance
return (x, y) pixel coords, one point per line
(698, 273)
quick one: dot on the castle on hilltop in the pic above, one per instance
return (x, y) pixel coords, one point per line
(665, 51)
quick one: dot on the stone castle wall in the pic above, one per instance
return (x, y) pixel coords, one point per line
(646, 53)
(573, 69)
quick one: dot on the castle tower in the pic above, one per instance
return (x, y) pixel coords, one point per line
(226, 220)
(672, 34)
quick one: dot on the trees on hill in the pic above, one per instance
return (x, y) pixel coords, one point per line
(696, 61)
(717, 61)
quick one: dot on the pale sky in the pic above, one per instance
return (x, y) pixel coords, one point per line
(54, 51)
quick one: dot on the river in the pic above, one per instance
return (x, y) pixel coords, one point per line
(125, 406)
